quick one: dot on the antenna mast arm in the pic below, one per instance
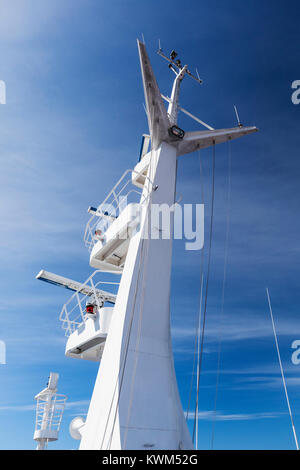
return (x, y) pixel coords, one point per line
(158, 119)
(193, 141)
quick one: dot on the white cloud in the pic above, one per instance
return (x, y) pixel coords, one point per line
(69, 405)
(23, 19)
(220, 416)
(239, 326)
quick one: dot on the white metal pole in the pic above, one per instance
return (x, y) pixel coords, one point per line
(174, 100)
(41, 445)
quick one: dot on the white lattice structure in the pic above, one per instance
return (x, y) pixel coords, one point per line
(49, 411)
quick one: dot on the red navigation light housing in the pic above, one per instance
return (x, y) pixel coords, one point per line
(90, 308)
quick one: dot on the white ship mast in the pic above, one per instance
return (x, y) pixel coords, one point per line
(135, 402)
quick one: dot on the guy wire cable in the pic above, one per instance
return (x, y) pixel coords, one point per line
(198, 317)
(281, 370)
(223, 293)
(207, 278)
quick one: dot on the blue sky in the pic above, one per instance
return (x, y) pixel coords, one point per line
(71, 126)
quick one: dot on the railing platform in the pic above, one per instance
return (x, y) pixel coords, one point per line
(87, 331)
(124, 192)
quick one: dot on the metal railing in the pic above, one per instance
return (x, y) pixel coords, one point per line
(49, 412)
(73, 312)
(123, 193)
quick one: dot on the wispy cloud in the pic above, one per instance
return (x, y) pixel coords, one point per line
(261, 383)
(220, 416)
(69, 405)
(17, 407)
(238, 326)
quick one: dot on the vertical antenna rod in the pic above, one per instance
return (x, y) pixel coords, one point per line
(237, 116)
(281, 368)
(174, 101)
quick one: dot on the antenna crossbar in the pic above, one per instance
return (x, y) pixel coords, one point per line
(81, 288)
(177, 64)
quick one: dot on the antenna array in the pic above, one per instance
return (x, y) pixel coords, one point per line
(175, 62)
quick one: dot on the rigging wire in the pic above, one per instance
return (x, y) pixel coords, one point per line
(281, 369)
(207, 281)
(223, 294)
(198, 317)
(193, 373)
(198, 356)
(196, 344)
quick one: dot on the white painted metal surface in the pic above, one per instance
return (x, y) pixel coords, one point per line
(73, 313)
(135, 402)
(142, 409)
(88, 340)
(139, 174)
(88, 288)
(109, 253)
(76, 427)
(201, 139)
(49, 410)
(124, 192)
(87, 331)
(190, 114)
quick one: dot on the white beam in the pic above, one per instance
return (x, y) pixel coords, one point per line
(75, 286)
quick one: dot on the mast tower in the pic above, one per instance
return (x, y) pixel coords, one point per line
(135, 402)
